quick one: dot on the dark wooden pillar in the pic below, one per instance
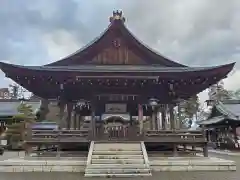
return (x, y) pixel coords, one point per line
(205, 150)
(163, 117)
(172, 121)
(154, 119)
(175, 151)
(69, 114)
(151, 122)
(75, 120)
(131, 119)
(61, 115)
(140, 118)
(79, 119)
(93, 120)
(156, 123)
(205, 145)
(44, 110)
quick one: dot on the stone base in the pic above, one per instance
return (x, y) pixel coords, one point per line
(191, 164)
(79, 165)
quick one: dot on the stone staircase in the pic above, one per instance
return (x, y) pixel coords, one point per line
(117, 160)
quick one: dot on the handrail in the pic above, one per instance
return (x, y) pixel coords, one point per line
(90, 152)
(145, 155)
(178, 136)
(174, 131)
(57, 131)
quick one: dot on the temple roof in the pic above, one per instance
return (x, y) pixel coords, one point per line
(115, 52)
(116, 29)
(228, 110)
(212, 120)
(115, 68)
(95, 57)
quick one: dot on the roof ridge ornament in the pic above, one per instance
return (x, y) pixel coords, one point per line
(117, 15)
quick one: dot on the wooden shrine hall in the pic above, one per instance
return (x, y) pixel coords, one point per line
(127, 89)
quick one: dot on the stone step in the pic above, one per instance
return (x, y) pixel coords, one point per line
(117, 152)
(117, 171)
(117, 175)
(117, 161)
(117, 156)
(117, 166)
(117, 146)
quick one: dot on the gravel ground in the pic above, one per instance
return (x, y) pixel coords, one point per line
(157, 176)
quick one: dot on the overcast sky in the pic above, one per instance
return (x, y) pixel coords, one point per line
(192, 32)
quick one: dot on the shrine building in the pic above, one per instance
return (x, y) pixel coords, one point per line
(117, 80)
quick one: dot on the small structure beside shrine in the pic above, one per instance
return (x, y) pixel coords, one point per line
(222, 125)
(115, 91)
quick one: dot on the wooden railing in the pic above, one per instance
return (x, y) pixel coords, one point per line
(176, 136)
(51, 136)
(118, 132)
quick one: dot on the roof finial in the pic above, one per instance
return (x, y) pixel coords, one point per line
(117, 15)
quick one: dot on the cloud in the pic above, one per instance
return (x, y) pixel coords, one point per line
(193, 32)
(56, 45)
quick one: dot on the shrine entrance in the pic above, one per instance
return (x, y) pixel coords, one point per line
(116, 127)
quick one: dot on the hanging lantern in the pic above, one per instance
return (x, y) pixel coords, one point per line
(153, 102)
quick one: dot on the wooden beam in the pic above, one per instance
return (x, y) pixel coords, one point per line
(118, 77)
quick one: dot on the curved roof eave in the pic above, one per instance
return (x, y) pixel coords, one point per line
(224, 69)
(222, 108)
(154, 56)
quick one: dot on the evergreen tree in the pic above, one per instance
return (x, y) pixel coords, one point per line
(16, 131)
(217, 92)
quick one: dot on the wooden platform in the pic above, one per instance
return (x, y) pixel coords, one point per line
(65, 136)
(68, 139)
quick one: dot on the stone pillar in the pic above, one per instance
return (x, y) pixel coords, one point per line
(69, 114)
(61, 123)
(140, 118)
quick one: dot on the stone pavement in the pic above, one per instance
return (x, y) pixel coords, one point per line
(156, 164)
(174, 175)
(217, 151)
(224, 152)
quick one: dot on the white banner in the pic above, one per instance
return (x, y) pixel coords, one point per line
(115, 108)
